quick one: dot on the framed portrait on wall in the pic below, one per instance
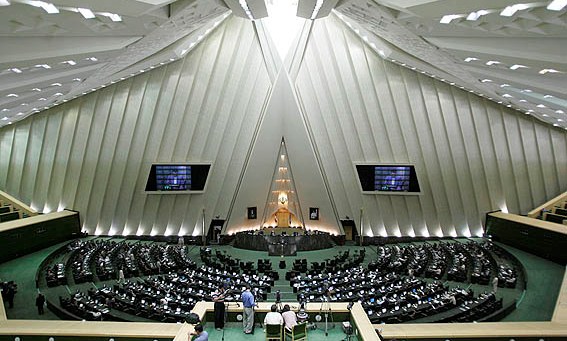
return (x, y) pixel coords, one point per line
(313, 213)
(252, 213)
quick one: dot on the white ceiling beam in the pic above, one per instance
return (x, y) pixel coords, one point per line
(547, 49)
(305, 8)
(132, 8)
(18, 50)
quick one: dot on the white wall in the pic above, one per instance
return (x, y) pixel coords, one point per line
(471, 155)
(93, 154)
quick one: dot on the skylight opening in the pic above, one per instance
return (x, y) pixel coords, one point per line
(283, 23)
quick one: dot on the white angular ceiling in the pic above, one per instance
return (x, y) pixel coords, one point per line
(517, 60)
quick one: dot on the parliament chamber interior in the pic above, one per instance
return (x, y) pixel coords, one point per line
(193, 169)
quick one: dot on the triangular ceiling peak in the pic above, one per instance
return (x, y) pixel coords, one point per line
(283, 196)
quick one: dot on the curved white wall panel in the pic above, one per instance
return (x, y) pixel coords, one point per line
(93, 154)
(471, 155)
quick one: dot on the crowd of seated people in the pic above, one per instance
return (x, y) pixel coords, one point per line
(86, 306)
(169, 297)
(460, 262)
(508, 268)
(475, 309)
(81, 260)
(109, 257)
(341, 261)
(224, 262)
(386, 298)
(272, 233)
(55, 275)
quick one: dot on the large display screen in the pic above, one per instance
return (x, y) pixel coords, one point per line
(177, 177)
(388, 178)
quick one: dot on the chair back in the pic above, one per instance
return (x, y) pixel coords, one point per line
(299, 331)
(273, 331)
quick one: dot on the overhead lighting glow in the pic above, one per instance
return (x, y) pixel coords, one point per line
(470, 59)
(56, 84)
(476, 15)
(504, 85)
(48, 7)
(507, 95)
(492, 62)
(16, 70)
(45, 66)
(113, 16)
(486, 80)
(86, 13)
(11, 95)
(449, 17)
(4, 3)
(541, 106)
(511, 10)
(92, 59)
(517, 66)
(557, 5)
(316, 9)
(70, 62)
(246, 9)
(544, 71)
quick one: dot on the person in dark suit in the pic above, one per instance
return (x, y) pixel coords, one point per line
(39, 303)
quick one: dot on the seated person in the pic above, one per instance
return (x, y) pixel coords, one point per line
(199, 334)
(289, 317)
(273, 317)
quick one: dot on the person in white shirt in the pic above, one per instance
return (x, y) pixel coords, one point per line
(273, 317)
(289, 317)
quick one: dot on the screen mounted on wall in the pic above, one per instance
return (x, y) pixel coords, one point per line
(177, 178)
(388, 179)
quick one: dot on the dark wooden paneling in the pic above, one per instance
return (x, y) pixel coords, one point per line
(26, 239)
(541, 242)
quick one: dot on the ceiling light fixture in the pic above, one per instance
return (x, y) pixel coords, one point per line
(246, 9)
(16, 70)
(544, 71)
(70, 62)
(86, 13)
(492, 62)
(470, 59)
(45, 66)
(316, 9)
(486, 80)
(48, 7)
(449, 17)
(476, 15)
(11, 95)
(504, 85)
(517, 66)
(56, 84)
(557, 5)
(113, 16)
(511, 10)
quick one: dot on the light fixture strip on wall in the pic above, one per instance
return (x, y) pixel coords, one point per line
(316, 9)
(246, 9)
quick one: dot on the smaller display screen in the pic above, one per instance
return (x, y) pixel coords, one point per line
(387, 178)
(172, 178)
